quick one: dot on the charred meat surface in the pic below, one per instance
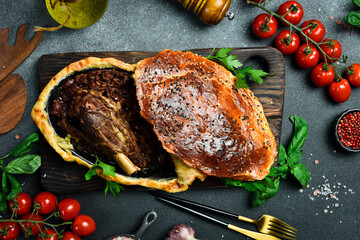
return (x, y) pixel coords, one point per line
(99, 109)
(199, 116)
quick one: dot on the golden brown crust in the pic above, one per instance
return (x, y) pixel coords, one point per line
(63, 146)
(199, 116)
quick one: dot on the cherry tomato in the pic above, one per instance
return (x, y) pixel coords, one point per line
(47, 232)
(29, 227)
(354, 74)
(69, 208)
(47, 202)
(71, 236)
(322, 74)
(83, 225)
(314, 29)
(332, 48)
(340, 90)
(285, 43)
(307, 57)
(12, 230)
(264, 26)
(293, 10)
(21, 204)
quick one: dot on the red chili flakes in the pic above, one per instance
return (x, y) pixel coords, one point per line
(338, 22)
(349, 130)
(316, 162)
(17, 137)
(331, 17)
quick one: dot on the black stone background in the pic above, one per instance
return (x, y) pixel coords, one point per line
(153, 25)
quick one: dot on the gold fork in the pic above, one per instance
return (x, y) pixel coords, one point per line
(271, 225)
(266, 224)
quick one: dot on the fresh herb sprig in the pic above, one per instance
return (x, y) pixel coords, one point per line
(22, 164)
(231, 62)
(107, 170)
(288, 164)
(353, 17)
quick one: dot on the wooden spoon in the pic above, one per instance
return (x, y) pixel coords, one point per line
(12, 101)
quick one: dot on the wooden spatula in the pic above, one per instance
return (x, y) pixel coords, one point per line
(12, 56)
(12, 88)
(12, 102)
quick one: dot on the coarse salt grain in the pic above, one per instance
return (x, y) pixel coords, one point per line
(326, 211)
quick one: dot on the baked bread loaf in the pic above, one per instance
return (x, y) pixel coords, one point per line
(199, 116)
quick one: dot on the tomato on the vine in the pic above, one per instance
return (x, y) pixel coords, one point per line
(48, 234)
(71, 236)
(9, 230)
(322, 74)
(353, 74)
(45, 202)
(340, 90)
(285, 43)
(307, 57)
(83, 225)
(293, 10)
(30, 228)
(21, 204)
(68, 208)
(264, 25)
(314, 29)
(332, 49)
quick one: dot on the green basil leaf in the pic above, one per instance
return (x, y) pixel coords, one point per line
(3, 203)
(294, 158)
(299, 135)
(15, 187)
(238, 183)
(282, 155)
(269, 183)
(301, 173)
(27, 164)
(356, 2)
(353, 18)
(260, 197)
(26, 146)
(4, 184)
(257, 199)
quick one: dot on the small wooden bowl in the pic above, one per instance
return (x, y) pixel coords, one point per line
(349, 149)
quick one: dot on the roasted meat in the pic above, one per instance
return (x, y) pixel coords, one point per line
(200, 117)
(98, 108)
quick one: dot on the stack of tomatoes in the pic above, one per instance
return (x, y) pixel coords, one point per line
(32, 222)
(308, 53)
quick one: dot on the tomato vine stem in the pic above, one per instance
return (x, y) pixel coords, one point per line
(282, 17)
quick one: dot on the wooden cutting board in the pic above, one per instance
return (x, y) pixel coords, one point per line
(59, 176)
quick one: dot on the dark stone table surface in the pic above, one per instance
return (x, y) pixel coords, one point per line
(153, 25)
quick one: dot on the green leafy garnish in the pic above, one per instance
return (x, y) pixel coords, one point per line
(23, 164)
(234, 65)
(288, 164)
(107, 170)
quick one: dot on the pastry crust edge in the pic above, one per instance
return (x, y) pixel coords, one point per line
(63, 146)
